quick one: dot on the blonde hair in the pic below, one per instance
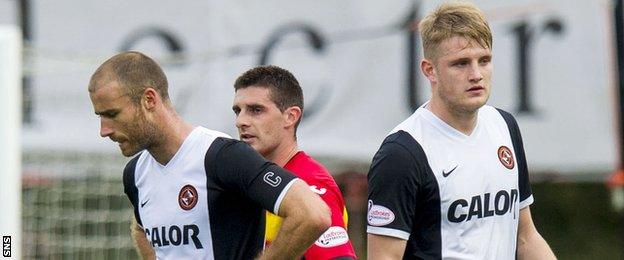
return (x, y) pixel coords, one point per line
(454, 19)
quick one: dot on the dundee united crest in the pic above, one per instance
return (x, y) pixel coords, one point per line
(506, 157)
(188, 197)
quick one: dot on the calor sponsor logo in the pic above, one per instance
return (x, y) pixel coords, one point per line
(379, 215)
(334, 236)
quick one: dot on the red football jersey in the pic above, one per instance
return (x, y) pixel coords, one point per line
(335, 241)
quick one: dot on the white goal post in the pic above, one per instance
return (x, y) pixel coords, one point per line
(10, 152)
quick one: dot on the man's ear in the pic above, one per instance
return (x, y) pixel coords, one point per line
(150, 98)
(427, 68)
(292, 115)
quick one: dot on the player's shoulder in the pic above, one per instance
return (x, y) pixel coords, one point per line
(422, 127)
(210, 134)
(228, 151)
(491, 112)
(398, 152)
(412, 124)
(307, 168)
(400, 137)
(201, 140)
(317, 177)
(401, 142)
(217, 140)
(302, 160)
(500, 118)
(226, 145)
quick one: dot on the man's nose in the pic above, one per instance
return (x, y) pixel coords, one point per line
(475, 73)
(105, 127)
(241, 120)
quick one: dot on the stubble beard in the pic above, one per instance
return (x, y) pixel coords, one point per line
(145, 134)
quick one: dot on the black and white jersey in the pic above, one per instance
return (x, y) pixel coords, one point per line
(451, 196)
(208, 202)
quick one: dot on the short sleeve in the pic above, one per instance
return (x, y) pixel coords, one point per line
(392, 191)
(237, 167)
(526, 194)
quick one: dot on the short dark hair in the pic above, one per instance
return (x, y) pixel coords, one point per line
(283, 87)
(134, 71)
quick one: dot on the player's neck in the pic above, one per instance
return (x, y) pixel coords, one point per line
(173, 131)
(462, 121)
(283, 153)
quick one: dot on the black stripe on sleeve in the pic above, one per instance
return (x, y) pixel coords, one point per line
(240, 183)
(516, 139)
(401, 180)
(239, 167)
(130, 187)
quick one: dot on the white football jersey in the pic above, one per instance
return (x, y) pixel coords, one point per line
(451, 196)
(208, 201)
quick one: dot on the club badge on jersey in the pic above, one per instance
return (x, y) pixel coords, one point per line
(506, 157)
(188, 197)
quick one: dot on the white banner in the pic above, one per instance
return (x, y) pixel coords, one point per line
(553, 63)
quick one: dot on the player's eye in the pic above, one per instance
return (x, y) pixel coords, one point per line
(460, 63)
(236, 111)
(109, 115)
(485, 61)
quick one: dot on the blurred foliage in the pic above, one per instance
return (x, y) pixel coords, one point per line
(577, 220)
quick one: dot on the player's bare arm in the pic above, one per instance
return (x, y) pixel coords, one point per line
(306, 217)
(531, 245)
(385, 247)
(143, 247)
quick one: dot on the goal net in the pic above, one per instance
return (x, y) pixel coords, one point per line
(74, 207)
